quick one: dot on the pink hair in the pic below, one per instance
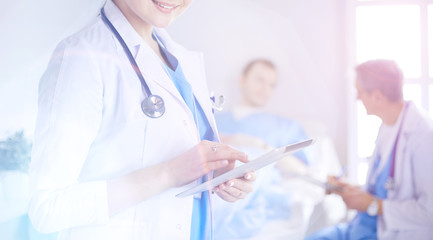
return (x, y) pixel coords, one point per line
(383, 75)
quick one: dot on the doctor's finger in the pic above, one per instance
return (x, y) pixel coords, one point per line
(225, 195)
(228, 153)
(233, 191)
(213, 151)
(250, 176)
(214, 165)
(239, 185)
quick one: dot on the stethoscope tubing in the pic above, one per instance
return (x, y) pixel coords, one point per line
(152, 106)
(390, 184)
(127, 51)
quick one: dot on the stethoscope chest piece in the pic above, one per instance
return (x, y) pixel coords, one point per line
(153, 106)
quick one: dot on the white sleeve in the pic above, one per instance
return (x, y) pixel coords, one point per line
(416, 212)
(69, 115)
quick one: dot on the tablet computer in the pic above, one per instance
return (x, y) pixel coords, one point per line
(253, 165)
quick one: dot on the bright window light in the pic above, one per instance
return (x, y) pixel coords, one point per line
(390, 32)
(362, 172)
(368, 127)
(431, 100)
(430, 36)
(413, 92)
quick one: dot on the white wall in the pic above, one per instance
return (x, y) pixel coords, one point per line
(304, 37)
(29, 32)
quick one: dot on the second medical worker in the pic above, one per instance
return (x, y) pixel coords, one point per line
(124, 124)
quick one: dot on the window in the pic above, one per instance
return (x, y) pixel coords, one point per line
(391, 32)
(431, 100)
(430, 36)
(392, 29)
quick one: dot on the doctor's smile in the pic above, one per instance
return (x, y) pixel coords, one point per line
(166, 7)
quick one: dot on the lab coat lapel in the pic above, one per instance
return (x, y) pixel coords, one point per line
(196, 77)
(193, 68)
(153, 69)
(149, 63)
(155, 73)
(408, 129)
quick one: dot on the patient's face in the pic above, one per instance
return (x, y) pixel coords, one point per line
(258, 84)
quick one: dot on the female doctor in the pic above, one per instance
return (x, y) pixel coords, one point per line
(104, 165)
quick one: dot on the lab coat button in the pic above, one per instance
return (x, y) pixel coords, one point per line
(178, 226)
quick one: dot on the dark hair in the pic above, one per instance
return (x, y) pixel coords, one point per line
(383, 75)
(251, 64)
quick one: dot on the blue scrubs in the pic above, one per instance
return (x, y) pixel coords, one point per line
(273, 130)
(362, 226)
(246, 218)
(201, 222)
(268, 202)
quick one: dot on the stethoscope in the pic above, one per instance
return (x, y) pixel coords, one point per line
(152, 106)
(390, 182)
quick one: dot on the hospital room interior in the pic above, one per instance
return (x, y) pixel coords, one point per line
(310, 50)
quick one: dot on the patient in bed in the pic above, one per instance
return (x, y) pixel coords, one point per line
(249, 128)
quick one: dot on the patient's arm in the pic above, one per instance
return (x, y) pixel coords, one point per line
(291, 164)
(244, 140)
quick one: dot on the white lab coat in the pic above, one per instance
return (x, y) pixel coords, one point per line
(408, 210)
(90, 128)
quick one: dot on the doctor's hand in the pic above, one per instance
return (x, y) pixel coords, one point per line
(200, 160)
(336, 185)
(353, 196)
(234, 189)
(356, 198)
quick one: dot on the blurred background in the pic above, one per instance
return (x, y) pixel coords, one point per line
(315, 45)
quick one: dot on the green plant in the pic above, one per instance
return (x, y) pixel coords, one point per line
(15, 152)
